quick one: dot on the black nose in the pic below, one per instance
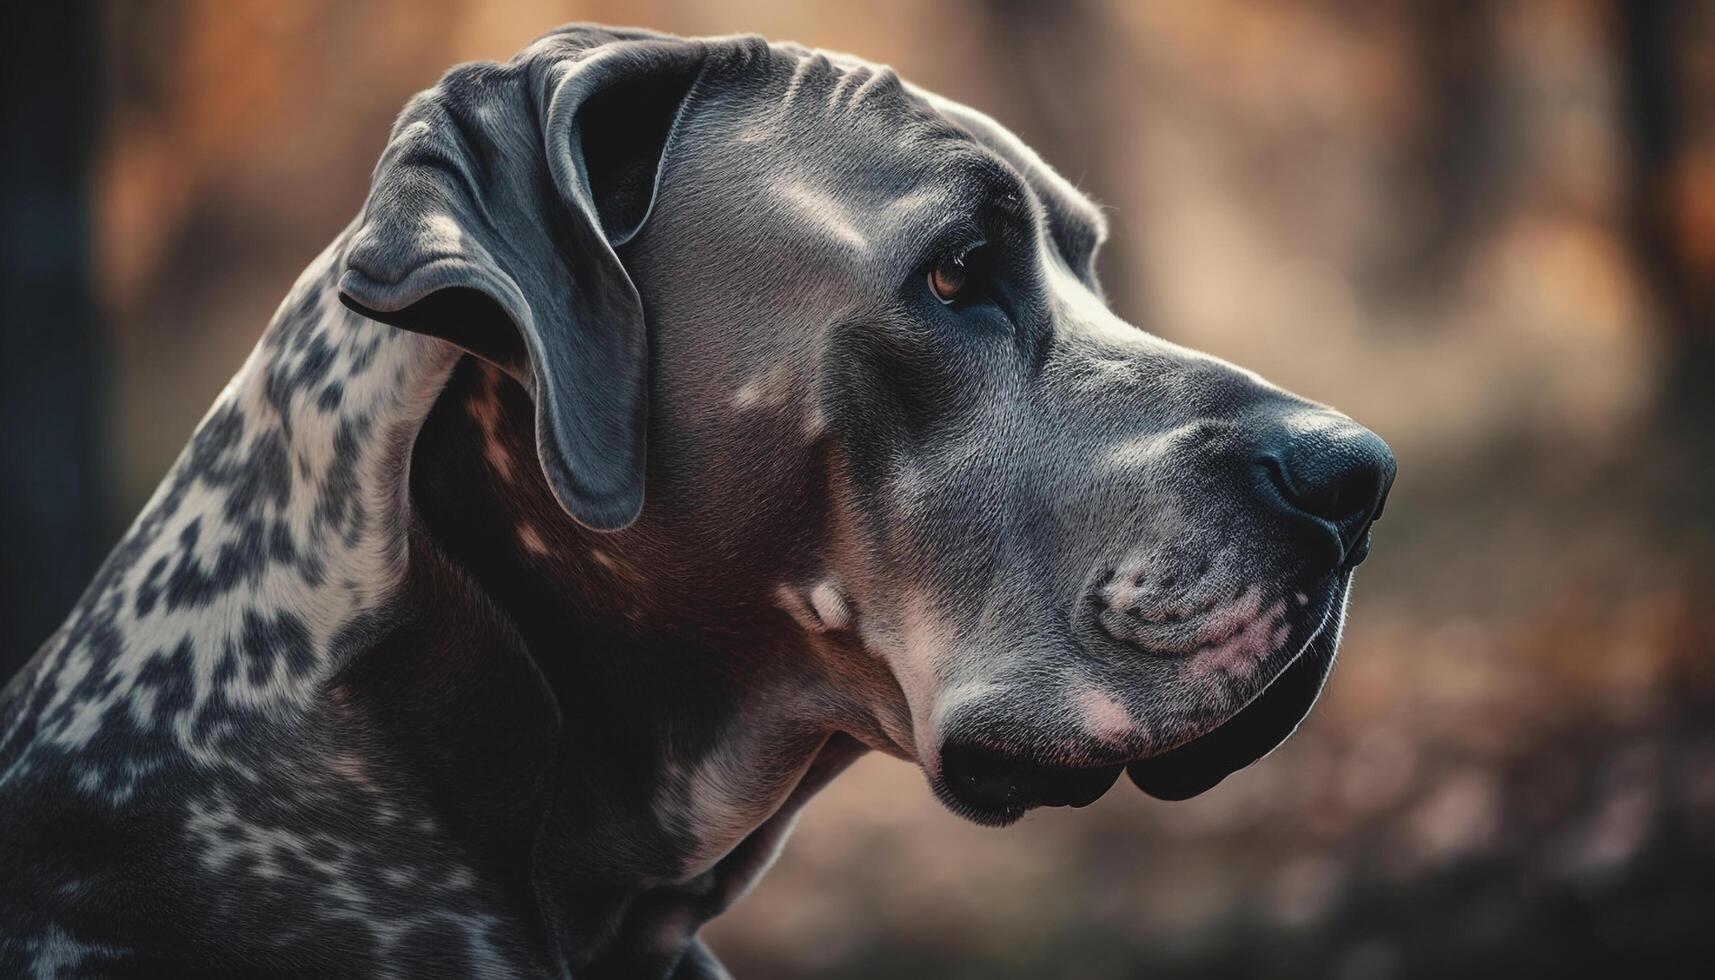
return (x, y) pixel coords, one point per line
(1335, 478)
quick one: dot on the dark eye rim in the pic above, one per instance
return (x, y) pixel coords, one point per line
(973, 272)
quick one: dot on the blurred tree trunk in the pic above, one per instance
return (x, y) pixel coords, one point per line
(1050, 57)
(49, 493)
(1667, 65)
(1454, 153)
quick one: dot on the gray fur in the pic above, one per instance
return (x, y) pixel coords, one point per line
(402, 673)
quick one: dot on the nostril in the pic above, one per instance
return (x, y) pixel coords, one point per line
(1341, 495)
(1338, 474)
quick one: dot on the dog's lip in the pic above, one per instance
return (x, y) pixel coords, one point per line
(1194, 634)
(1168, 636)
(1071, 759)
(1096, 756)
(995, 786)
(1155, 773)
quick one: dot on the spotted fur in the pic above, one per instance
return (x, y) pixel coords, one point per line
(396, 675)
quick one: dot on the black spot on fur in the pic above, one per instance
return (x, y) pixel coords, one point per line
(265, 477)
(286, 379)
(169, 676)
(149, 590)
(268, 639)
(338, 506)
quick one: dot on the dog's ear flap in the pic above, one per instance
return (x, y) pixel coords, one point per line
(492, 221)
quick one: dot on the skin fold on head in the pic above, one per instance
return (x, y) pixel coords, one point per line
(896, 439)
(677, 421)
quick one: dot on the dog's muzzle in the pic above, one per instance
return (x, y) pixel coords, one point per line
(997, 785)
(1325, 486)
(1198, 765)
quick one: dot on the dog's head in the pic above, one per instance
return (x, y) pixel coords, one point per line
(852, 336)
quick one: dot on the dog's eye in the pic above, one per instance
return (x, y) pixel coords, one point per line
(954, 275)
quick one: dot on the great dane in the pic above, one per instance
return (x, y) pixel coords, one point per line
(402, 673)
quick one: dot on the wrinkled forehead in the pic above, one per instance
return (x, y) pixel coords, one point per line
(836, 154)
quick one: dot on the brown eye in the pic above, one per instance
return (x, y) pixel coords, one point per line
(948, 276)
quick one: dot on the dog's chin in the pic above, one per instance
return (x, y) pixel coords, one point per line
(1198, 765)
(996, 786)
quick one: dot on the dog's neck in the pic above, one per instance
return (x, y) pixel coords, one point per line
(351, 580)
(686, 748)
(275, 534)
(689, 731)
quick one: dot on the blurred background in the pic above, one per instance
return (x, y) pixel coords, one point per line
(1487, 230)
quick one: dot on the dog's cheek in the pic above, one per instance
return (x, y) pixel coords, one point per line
(873, 398)
(891, 383)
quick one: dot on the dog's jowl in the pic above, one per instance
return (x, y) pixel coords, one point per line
(677, 421)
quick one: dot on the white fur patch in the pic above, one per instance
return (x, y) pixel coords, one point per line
(822, 608)
(915, 650)
(823, 213)
(531, 539)
(770, 389)
(439, 234)
(1104, 717)
(830, 605)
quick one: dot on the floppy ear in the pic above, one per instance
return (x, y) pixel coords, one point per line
(492, 220)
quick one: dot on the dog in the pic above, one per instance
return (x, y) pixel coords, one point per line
(401, 673)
